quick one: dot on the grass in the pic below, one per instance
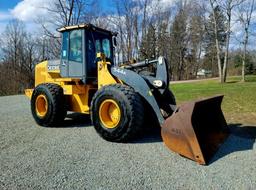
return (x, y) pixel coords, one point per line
(239, 103)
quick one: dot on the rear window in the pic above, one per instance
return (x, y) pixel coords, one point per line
(64, 54)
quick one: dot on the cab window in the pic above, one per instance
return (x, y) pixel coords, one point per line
(106, 47)
(98, 46)
(75, 46)
(91, 58)
(64, 54)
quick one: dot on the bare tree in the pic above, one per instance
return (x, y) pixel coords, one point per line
(214, 5)
(127, 24)
(245, 14)
(228, 6)
(118, 22)
(18, 59)
(67, 12)
(197, 35)
(144, 5)
(61, 13)
(179, 41)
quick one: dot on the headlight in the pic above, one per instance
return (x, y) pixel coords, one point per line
(158, 83)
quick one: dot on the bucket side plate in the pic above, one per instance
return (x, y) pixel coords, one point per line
(196, 129)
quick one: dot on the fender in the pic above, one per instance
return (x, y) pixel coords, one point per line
(134, 80)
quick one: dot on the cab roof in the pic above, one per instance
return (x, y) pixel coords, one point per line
(87, 27)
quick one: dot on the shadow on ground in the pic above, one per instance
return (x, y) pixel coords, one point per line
(232, 81)
(76, 120)
(241, 138)
(149, 135)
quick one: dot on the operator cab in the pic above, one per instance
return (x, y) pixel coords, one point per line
(80, 45)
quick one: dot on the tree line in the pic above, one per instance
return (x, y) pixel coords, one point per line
(191, 34)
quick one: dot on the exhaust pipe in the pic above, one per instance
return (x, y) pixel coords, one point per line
(196, 129)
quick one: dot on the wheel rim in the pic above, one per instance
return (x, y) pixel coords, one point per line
(110, 113)
(41, 105)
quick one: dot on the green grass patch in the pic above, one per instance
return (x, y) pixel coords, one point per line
(239, 97)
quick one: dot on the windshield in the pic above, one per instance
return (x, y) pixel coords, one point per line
(98, 42)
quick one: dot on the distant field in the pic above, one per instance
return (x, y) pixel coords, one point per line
(239, 103)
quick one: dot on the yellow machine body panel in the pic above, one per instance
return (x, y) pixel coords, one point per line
(77, 94)
(104, 77)
(42, 75)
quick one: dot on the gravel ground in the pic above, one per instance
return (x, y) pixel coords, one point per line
(75, 157)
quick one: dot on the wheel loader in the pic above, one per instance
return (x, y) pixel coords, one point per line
(120, 98)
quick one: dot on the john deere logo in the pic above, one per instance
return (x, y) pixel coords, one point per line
(53, 67)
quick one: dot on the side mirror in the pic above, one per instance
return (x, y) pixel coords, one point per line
(114, 41)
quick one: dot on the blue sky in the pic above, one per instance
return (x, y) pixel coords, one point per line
(25, 10)
(8, 4)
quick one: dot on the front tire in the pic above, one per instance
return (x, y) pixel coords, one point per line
(117, 113)
(48, 105)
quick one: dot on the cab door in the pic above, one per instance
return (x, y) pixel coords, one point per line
(64, 54)
(76, 54)
(72, 55)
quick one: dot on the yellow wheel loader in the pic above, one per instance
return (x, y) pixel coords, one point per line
(119, 98)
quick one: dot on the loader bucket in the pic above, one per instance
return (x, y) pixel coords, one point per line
(196, 129)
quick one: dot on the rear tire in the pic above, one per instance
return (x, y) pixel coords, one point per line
(48, 105)
(131, 112)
